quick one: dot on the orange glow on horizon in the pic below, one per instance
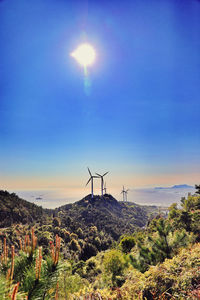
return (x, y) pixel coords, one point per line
(77, 184)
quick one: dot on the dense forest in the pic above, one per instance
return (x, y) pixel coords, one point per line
(89, 225)
(99, 249)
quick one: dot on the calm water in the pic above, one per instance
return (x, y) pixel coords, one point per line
(57, 197)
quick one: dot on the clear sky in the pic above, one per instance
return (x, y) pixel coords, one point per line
(138, 119)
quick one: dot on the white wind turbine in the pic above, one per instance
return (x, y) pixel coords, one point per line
(124, 194)
(102, 182)
(91, 179)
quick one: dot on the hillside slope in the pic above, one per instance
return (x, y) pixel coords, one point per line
(107, 214)
(16, 210)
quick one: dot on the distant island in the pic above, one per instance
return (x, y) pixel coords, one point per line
(178, 186)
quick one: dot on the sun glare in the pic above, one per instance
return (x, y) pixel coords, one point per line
(84, 54)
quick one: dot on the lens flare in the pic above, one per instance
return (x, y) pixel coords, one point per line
(84, 55)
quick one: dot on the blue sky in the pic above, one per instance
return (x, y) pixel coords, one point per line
(140, 117)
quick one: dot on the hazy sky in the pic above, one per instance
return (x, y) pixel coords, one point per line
(140, 116)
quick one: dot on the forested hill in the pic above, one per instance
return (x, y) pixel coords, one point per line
(107, 214)
(16, 210)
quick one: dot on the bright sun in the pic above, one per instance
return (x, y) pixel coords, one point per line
(84, 54)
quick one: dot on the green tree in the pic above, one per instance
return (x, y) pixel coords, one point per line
(127, 243)
(67, 236)
(88, 251)
(114, 264)
(74, 245)
(56, 222)
(74, 236)
(80, 233)
(163, 242)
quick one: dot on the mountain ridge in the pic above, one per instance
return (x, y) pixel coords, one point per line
(106, 213)
(177, 186)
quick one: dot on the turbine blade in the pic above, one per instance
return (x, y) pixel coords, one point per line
(105, 173)
(88, 181)
(89, 172)
(99, 175)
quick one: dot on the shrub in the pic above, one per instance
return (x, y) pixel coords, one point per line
(74, 236)
(88, 251)
(127, 243)
(56, 222)
(44, 238)
(114, 264)
(80, 233)
(67, 236)
(74, 245)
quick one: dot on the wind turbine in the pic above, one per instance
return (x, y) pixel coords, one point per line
(102, 176)
(105, 188)
(124, 194)
(91, 178)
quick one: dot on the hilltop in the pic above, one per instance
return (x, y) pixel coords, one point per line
(107, 214)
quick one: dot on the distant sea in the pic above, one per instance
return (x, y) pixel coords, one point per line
(146, 196)
(160, 197)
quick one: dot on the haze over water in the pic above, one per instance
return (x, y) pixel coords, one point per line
(150, 196)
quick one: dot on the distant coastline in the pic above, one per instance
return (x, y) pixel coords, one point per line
(178, 186)
(159, 196)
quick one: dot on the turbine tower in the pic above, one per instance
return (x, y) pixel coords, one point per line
(105, 188)
(102, 182)
(91, 179)
(124, 194)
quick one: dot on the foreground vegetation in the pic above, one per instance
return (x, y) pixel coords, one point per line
(161, 261)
